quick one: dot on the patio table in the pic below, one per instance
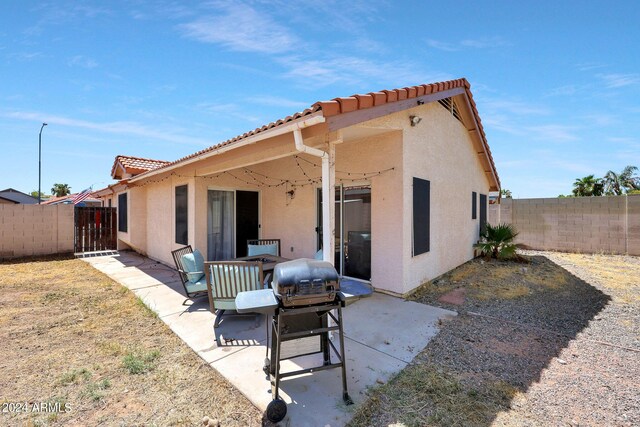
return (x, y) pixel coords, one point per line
(268, 261)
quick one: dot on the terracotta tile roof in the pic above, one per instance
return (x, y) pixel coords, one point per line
(136, 165)
(351, 103)
(53, 200)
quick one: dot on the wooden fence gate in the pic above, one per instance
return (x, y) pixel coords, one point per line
(95, 229)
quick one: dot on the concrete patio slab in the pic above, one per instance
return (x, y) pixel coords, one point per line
(382, 335)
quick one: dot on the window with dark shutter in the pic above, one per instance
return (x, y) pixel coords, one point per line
(474, 205)
(483, 213)
(421, 215)
(182, 229)
(122, 212)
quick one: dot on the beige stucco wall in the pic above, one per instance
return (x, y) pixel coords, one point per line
(27, 230)
(581, 224)
(438, 149)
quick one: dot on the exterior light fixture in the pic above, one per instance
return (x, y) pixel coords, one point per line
(415, 120)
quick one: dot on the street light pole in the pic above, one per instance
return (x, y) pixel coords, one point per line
(40, 162)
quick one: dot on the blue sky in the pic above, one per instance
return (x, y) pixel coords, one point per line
(556, 83)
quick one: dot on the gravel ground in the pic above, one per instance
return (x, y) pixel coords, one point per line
(556, 339)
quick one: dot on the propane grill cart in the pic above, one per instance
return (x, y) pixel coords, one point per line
(304, 329)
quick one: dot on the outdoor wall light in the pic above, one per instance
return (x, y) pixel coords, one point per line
(415, 120)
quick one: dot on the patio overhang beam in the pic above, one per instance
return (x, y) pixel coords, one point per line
(301, 123)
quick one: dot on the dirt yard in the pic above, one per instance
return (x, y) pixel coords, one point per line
(79, 349)
(555, 342)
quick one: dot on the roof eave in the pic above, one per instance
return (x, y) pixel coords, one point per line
(301, 123)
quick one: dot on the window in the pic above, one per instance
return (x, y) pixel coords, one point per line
(122, 212)
(421, 215)
(474, 205)
(109, 202)
(182, 230)
(483, 213)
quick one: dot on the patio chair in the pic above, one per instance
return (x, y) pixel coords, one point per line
(263, 246)
(225, 279)
(190, 266)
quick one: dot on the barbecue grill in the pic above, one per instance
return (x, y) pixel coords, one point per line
(305, 294)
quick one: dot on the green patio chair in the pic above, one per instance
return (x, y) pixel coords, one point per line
(263, 246)
(190, 266)
(225, 279)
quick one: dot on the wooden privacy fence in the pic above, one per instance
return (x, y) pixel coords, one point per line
(94, 229)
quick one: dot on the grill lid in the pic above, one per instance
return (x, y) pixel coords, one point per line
(303, 270)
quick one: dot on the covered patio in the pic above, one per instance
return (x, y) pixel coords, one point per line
(382, 335)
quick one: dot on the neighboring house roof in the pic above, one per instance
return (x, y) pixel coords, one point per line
(16, 196)
(348, 108)
(132, 166)
(68, 199)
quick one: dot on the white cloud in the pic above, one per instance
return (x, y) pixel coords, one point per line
(82, 61)
(228, 110)
(448, 47)
(553, 133)
(515, 107)
(124, 128)
(276, 101)
(240, 27)
(565, 90)
(480, 43)
(620, 80)
(356, 70)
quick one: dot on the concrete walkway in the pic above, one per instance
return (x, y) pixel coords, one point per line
(382, 335)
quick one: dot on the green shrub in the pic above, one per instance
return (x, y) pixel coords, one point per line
(497, 242)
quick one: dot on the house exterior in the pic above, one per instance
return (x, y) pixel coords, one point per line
(392, 187)
(14, 197)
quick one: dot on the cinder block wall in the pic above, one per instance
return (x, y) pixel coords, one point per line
(27, 230)
(581, 224)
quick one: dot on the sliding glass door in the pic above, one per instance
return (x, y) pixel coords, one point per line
(356, 232)
(232, 219)
(220, 225)
(353, 231)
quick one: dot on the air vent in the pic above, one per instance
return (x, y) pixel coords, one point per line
(450, 105)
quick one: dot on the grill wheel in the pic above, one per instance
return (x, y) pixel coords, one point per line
(276, 410)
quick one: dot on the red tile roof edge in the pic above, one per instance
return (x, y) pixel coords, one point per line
(122, 159)
(347, 104)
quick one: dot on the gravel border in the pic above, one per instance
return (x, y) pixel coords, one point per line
(565, 347)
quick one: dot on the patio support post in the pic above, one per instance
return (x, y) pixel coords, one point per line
(328, 195)
(328, 205)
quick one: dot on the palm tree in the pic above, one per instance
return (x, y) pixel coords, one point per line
(60, 190)
(506, 193)
(588, 186)
(497, 241)
(617, 184)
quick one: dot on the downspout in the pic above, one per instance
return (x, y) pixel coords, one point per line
(327, 204)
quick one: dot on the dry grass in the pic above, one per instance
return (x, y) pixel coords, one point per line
(422, 395)
(613, 272)
(73, 336)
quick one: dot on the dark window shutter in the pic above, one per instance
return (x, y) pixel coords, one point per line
(421, 215)
(122, 212)
(474, 205)
(182, 229)
(483, 213)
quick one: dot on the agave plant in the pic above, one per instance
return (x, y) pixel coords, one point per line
(497, 241)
